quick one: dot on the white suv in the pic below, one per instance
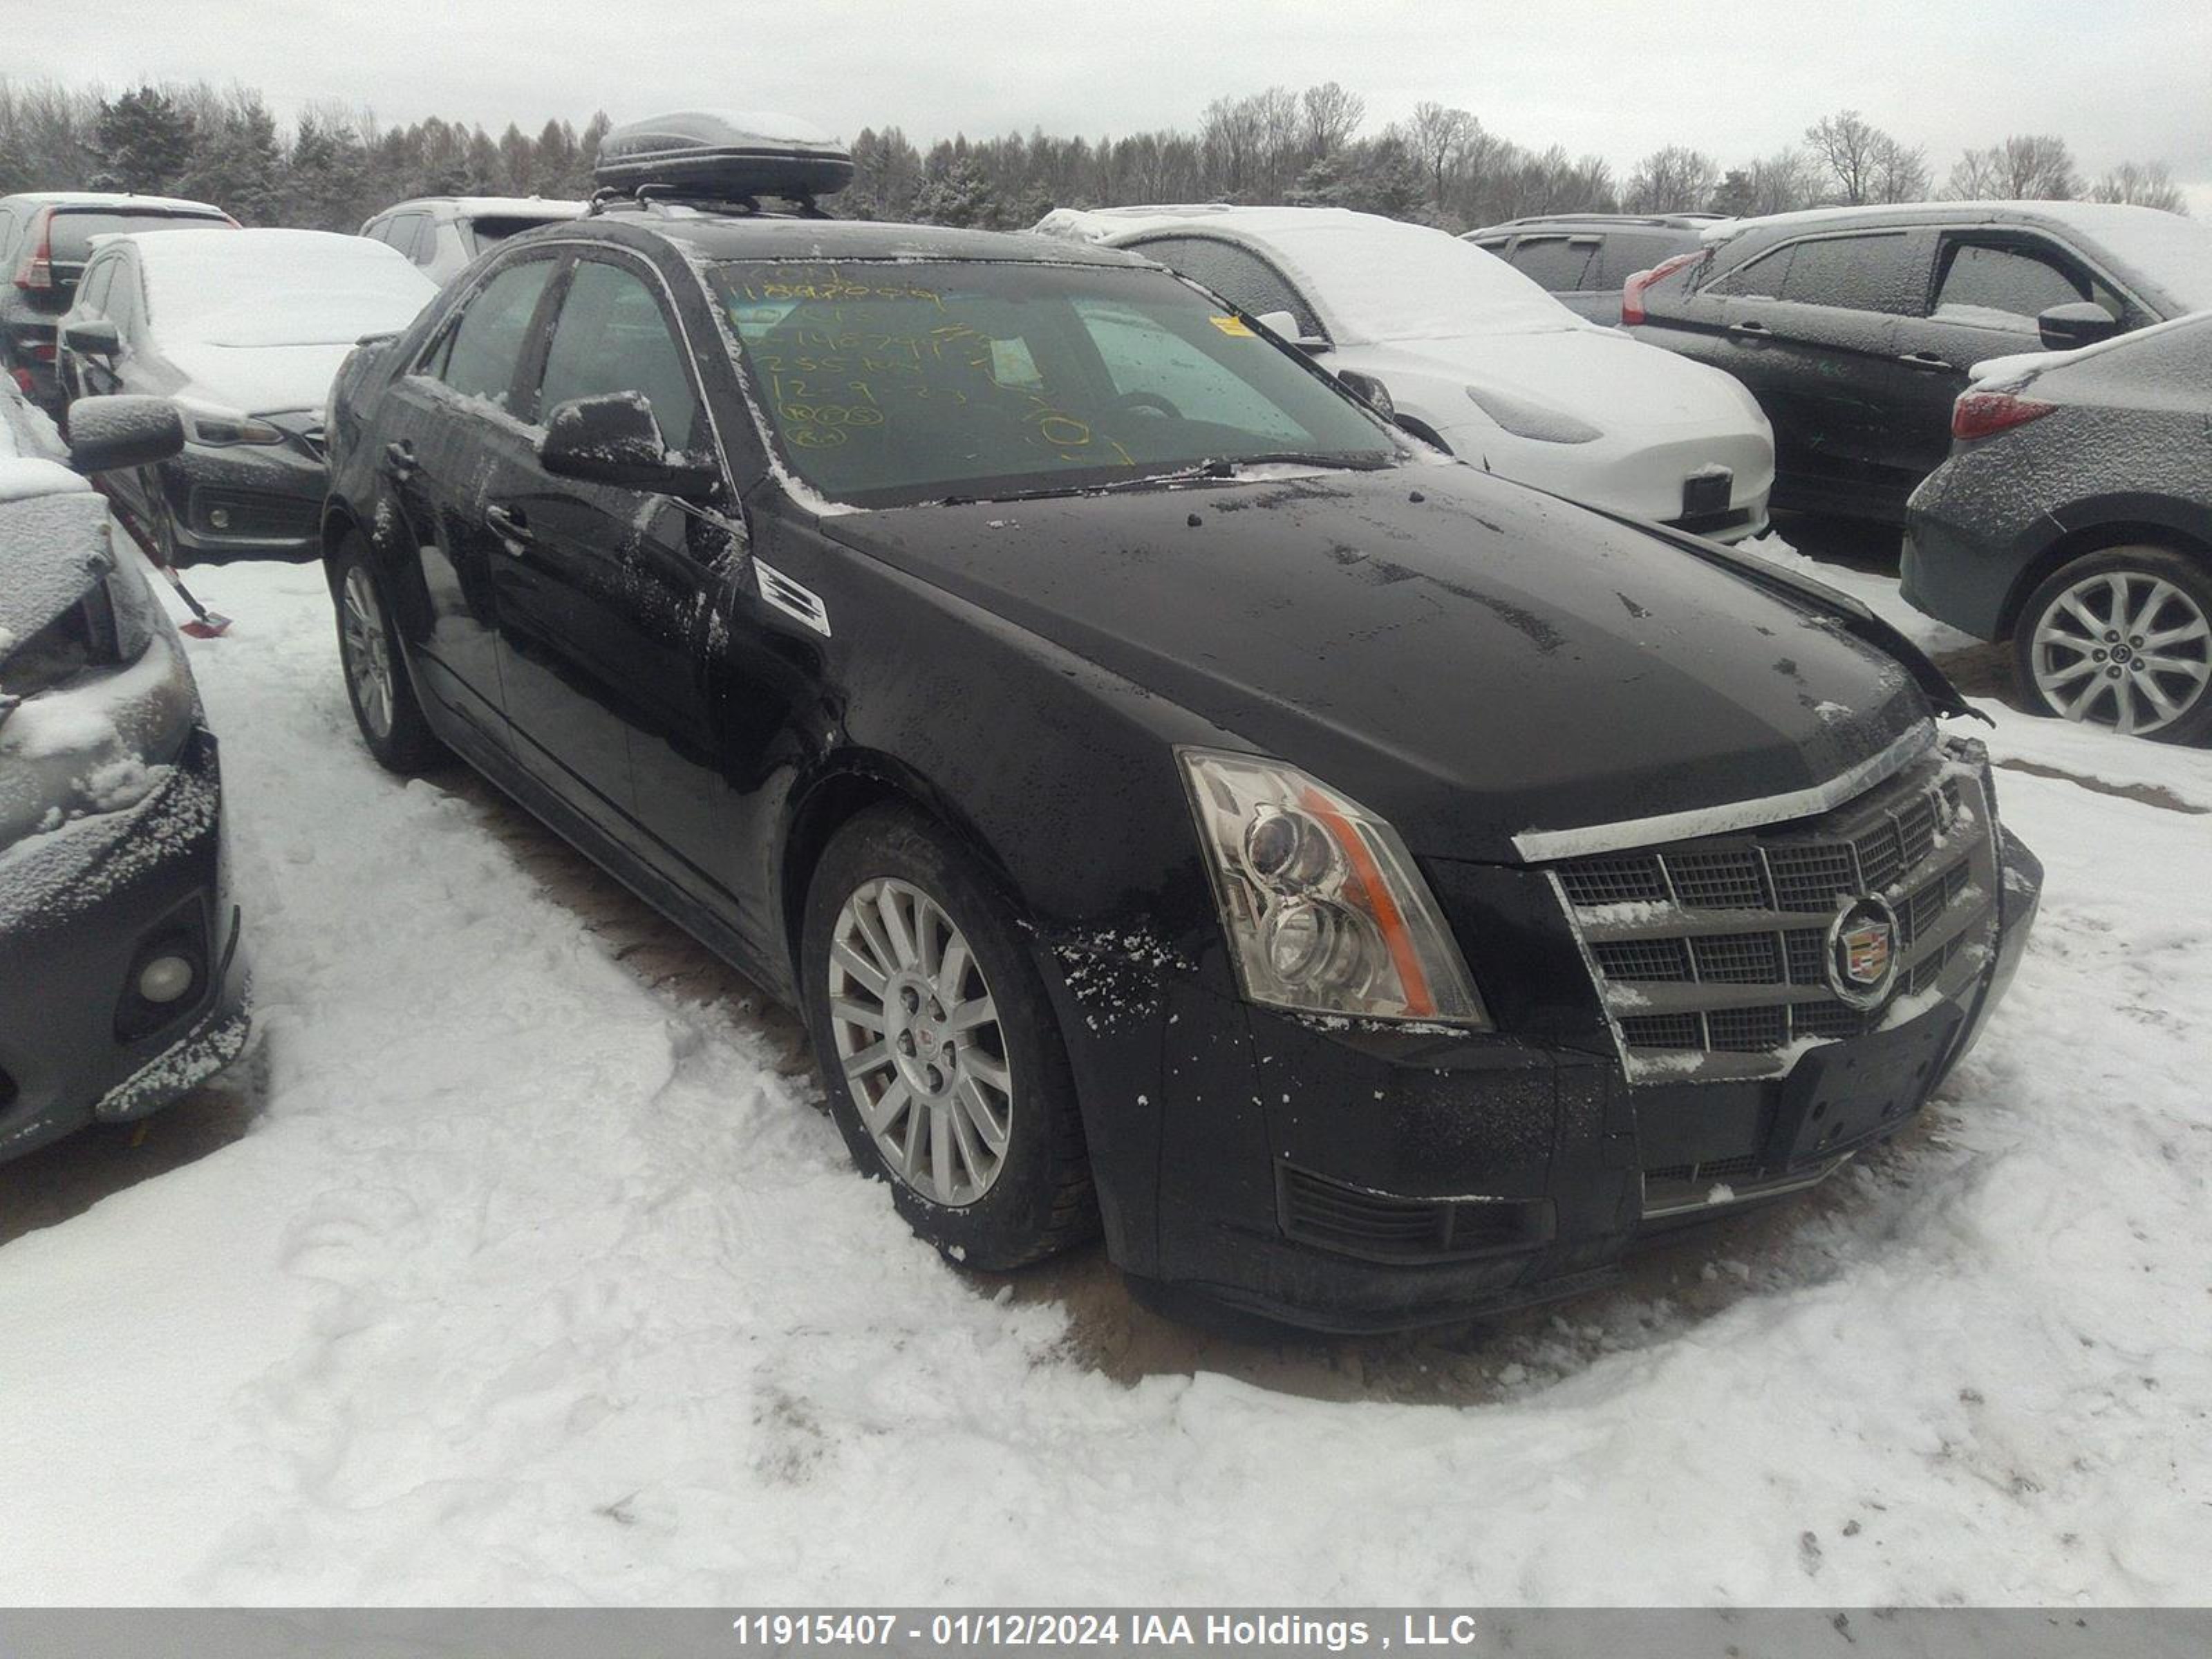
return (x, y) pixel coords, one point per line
(443, 233)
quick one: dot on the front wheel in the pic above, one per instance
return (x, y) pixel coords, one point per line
(2122, 638)
(376, 680)
(939, 1049)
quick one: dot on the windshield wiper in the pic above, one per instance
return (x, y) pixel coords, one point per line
(1217, 466)
(1226, 467)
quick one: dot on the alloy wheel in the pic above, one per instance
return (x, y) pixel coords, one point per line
(367, 652)
(919, 1040)
(2125, 648)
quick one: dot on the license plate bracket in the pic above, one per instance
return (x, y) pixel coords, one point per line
(1843, 1095)
(1706, 493)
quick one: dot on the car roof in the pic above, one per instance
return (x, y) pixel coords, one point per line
(551, 207)
(711, 235)
(96, 198)
(1603, 220)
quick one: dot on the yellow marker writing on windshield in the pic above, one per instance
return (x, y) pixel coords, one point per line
(1233, 326)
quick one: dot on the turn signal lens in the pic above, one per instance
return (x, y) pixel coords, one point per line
(1984, 414)
(1323, 907)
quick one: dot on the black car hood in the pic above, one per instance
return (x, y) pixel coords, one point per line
(1470, 658)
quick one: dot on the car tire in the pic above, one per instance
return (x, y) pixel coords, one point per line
(903, 941)
(374, 669)
(2093, 623)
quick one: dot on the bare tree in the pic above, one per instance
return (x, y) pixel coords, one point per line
(1900, 174)
(1675, 179)
(1438, 137)
(2025, 167)
(2143, 183)
(1332, 116)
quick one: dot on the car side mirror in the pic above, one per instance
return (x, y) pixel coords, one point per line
(113, 434)
(614, 439)
(93, 337)
(2082, 323)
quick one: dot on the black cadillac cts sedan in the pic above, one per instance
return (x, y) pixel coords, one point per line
(1368, 890)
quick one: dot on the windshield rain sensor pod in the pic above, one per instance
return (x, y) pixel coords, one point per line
(726, 156)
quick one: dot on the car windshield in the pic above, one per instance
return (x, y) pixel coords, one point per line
(886, 383)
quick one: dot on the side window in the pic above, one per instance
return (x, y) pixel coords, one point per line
(92, 290)
(7, 233)
(1873, 272)
(478, 356)
(2005, 285)
(1151, 365)
(1559, 264)
(121, 304)
(1237, 274)
(405, 233)
(1761, 279)
(613, 337)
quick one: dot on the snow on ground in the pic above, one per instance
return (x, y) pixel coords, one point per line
(1877, 591)
(532, 1283)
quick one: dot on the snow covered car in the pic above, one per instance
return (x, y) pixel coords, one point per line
(122, 984)
(440, 234)
(1370, 889)
(243, 328)
(2074, 519)
(1470, 354)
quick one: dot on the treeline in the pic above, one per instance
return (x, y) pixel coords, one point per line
(334, 166)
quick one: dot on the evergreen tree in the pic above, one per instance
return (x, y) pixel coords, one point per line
(144, 141)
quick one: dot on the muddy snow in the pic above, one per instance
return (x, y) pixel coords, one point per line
(519, 1265)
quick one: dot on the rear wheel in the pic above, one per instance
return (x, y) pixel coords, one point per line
(943, 1063)
(376, 680)
(2122, 638)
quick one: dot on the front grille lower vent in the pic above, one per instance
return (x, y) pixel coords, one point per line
(1720, 947)
(1385, 1226)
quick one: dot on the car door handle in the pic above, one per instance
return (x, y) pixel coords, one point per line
(1756, 331)
(1927, 362)
(400, 460)
(513, 527)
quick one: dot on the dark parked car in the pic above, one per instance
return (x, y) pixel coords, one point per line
(1584, 259)
(1856, 328)
(2074, 519)
(244, 329)
(122, 985)
(1370, 889)
(45, 237)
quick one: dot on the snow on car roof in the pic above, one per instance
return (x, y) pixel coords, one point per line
(1372, 278)
(109, 199)
(2172, 252)
(259, 288)
(495, 207)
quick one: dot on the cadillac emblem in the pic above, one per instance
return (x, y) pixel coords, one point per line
(1862, 952)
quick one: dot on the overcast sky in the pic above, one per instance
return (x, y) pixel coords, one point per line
(2119, 79)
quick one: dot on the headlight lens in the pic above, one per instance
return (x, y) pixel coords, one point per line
(1324, 910)
(1526, 418)
(205, 424)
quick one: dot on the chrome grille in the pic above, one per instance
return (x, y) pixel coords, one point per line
(1711, 955)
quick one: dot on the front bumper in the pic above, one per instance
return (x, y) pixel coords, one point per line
(75, 1043)
(1341, 1180)
(244, 501)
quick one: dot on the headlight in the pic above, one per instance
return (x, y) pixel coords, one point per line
(1324, 910)
(1526, 418)
(205, 424)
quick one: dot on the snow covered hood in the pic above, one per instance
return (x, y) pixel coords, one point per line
(1599, 374)
(261, 320)
(1372, 279)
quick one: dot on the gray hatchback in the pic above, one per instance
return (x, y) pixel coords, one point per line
(2074, 519)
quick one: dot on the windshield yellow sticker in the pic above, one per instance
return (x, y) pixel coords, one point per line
(1233, 326)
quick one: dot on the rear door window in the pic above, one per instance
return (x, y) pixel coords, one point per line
(1562, 265)
(1236, 274)
(612, 336)
(1870, 272)
(479, 354)
(1760, 279)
